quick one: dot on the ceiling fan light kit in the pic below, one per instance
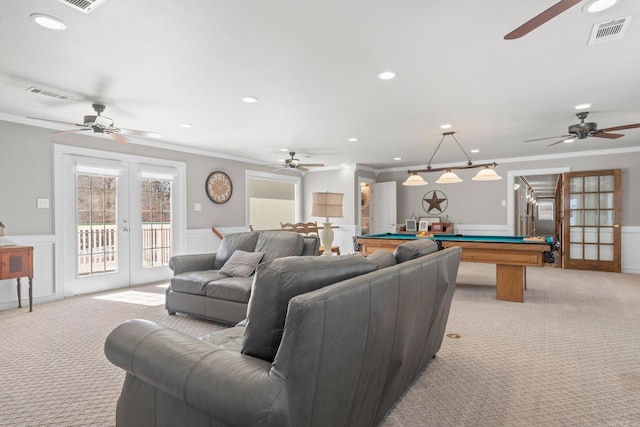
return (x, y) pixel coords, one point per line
(293, 163)
(487, 173)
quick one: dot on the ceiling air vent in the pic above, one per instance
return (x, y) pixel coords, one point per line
(608, 31)
(85, 6)
(49, 93)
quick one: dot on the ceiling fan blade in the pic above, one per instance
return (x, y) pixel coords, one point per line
(71, 131)
(608, 135)
(623, 127)
(302, 168)
(318, 165)
(558, 142)
(119, 138)
(540, 19)
(549, 137)
(140, 133)
(55, 121)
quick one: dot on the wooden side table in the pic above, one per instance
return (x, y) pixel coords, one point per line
(16, 262)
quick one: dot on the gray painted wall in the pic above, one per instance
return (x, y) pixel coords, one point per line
(471, 202)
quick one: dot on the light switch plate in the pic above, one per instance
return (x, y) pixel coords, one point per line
(197, 207)
(43, 203)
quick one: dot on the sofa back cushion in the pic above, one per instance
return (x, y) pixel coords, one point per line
(279, 280)
(278, 244)
(382, 259)
(231, 242)
(415, 249)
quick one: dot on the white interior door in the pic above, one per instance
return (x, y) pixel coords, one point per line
(383, 207)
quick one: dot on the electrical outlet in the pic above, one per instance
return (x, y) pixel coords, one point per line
(43, 203)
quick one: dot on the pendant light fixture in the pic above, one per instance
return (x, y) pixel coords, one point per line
(487, 173)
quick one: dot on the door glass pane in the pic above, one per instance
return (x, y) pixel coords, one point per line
(575, 185)
(591, 201)
(590, 184)
(591, 217)
(575, 234)
(606, 235)
(591, 252)
(606, 200)
(591, 235)
(575, 201)
(606, 218)
(606, 183)
(576, 251)
(606, 252)
(96, 224)
(156, 222)
(576, 218)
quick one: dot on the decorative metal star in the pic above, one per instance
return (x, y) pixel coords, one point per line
(434, 202)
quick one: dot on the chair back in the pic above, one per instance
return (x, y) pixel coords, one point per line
(306, 228)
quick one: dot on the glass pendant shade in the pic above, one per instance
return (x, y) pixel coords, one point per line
(486, 174)
(448, 178)
(414, 180)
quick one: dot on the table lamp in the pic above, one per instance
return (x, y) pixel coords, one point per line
(327, 205)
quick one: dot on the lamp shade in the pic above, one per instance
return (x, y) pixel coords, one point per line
(448, 178)
(328, 205)
(486, 174)
(414, 180)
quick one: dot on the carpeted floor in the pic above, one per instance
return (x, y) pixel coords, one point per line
(568, 356)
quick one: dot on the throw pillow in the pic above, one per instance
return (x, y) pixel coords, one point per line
(415, 249)
(241, 263)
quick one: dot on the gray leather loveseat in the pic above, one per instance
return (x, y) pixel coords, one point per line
(208, 285)
(340, 352)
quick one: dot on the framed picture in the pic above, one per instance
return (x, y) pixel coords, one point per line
(423, 225)
(429, 221)
(410, 225)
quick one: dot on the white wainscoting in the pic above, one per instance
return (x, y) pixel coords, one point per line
(631, 250)
(43, 273)
(204, 241)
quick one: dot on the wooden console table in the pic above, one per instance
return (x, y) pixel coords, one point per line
(17, 262)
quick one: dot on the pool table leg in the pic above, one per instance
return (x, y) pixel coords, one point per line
(510, 282)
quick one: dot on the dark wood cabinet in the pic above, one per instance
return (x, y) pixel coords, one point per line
(17, 262)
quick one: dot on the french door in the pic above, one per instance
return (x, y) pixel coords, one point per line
(117, 223)
(592, 215)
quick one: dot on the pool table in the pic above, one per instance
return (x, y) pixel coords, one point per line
(511, 254)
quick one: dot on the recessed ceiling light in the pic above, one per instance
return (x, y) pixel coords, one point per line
(284, 149)
(249, 99)
(185, 125)
(582, 106)
(397, 158)
(353, 139)
(387, 75)
(446, 126)
(567, 141)
(599, 5)
(475, 150)
(48, 21)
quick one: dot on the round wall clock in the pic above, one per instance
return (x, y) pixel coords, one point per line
(218, 187)
(434, 202)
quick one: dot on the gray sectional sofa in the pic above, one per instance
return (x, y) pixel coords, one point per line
(328, 341)
(204, 285)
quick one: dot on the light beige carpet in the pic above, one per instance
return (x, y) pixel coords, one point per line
(568, 356)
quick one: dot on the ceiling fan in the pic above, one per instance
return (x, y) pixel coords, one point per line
(101, 124)
(583, 130)
(542, 18)
(293, 163)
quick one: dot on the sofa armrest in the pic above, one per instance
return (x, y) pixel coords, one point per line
(192, 262)
(229, 386)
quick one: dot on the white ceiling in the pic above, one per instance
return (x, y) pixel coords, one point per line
(313, 66)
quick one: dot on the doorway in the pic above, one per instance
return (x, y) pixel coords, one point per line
(119, 219)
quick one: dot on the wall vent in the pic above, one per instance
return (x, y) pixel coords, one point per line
(609, 31)
(85, 6)
(48, 93)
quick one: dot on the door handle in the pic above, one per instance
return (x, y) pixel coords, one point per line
(616, 225)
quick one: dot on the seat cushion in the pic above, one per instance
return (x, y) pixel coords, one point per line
(195, 282)
(278, 244)
(230, 288)
(245, 241)
(415, 249)
(279, 280)
(241, 263)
